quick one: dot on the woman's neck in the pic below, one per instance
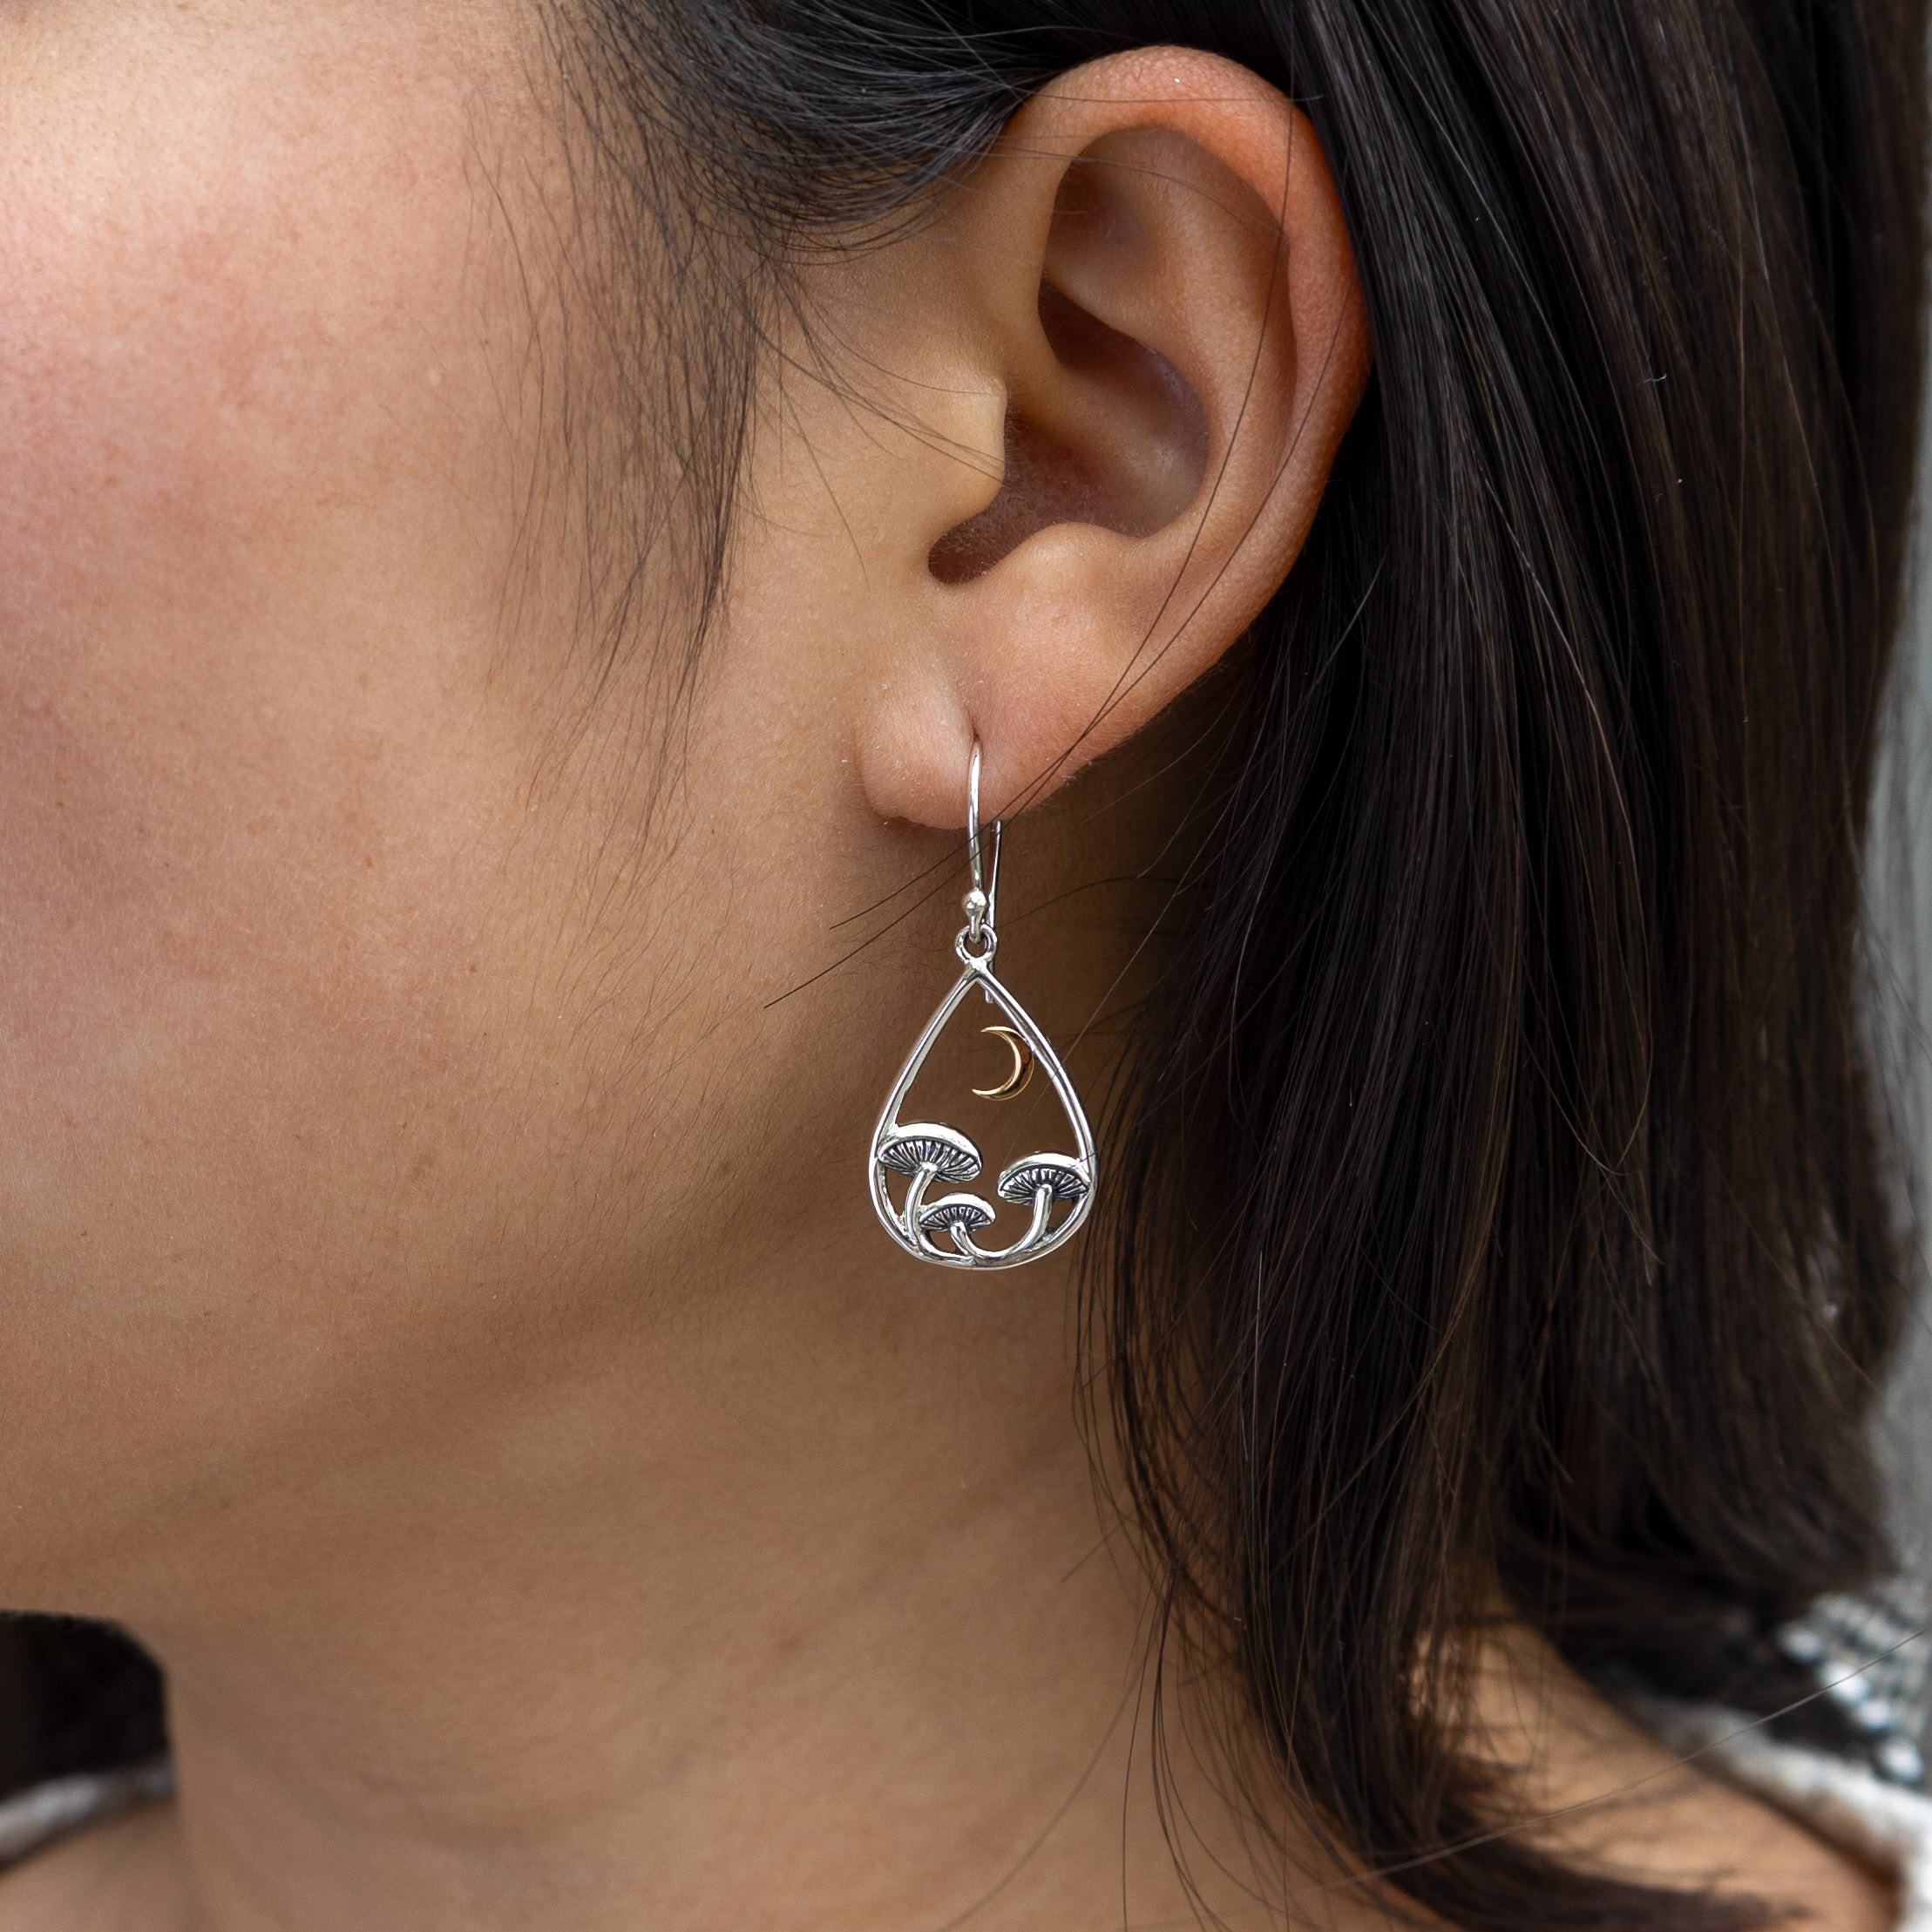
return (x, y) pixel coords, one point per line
(804, 1613)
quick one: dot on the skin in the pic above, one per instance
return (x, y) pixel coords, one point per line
(443, 1318)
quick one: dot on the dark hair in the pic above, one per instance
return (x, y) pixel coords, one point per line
(1506, 1198)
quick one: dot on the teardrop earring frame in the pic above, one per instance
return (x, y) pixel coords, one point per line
(924, 1152)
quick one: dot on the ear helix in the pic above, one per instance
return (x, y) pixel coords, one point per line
(923, 1153)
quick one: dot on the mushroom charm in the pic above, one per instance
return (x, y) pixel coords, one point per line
(926, 1153)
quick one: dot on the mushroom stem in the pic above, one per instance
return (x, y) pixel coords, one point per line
(1042, 1206)
(962, 1239)
(915, 1199)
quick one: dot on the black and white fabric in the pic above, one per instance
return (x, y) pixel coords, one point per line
(1871, 1658)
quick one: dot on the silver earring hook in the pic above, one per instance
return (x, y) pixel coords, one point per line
(986, 880)
(913, 1160)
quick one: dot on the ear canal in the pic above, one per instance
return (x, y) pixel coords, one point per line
(1108, 434)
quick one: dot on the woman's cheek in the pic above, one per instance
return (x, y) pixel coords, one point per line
(253, 507)
(237, 592)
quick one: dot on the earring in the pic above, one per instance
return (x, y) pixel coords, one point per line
(924, 1152)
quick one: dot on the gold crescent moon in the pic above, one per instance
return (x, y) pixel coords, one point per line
(1015, 1083)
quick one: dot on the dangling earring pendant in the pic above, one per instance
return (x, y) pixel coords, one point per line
(1054, 1190)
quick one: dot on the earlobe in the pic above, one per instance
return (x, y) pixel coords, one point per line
(1157, 277)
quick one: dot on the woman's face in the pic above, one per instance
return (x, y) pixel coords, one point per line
(368, 1031)
(422, 998)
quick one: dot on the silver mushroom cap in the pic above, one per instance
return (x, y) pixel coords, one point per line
(955, 1210)
(926, 1143)
(1063, 1176)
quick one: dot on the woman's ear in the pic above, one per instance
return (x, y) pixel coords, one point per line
(1117, 361)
